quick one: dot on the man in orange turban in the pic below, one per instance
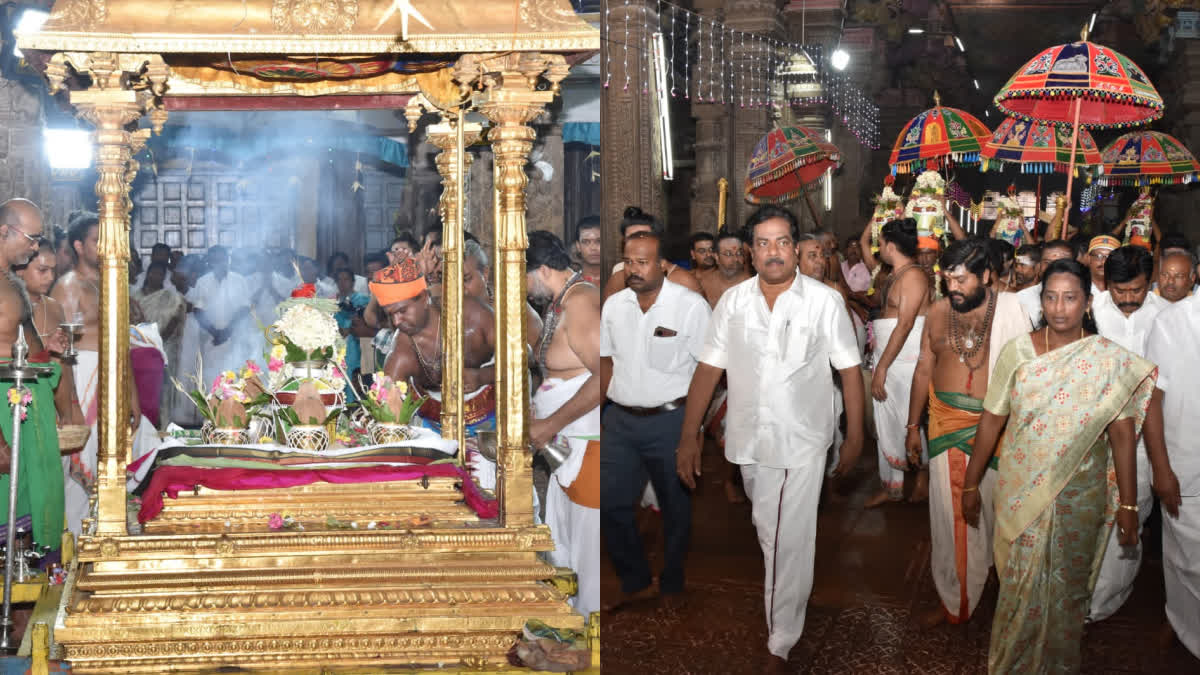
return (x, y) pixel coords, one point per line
(416, 355)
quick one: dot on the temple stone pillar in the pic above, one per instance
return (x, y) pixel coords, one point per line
(24, 171)
(545, 196)
(712, 149)
(750, 124)
(628, 161)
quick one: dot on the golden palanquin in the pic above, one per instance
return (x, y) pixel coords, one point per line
(208, 584)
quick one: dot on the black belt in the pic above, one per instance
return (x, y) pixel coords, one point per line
(658, 410)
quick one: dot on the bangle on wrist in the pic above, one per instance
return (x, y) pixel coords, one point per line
(1128, 507)
(912, 426)
(974, 488)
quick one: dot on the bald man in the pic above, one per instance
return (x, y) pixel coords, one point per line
(40, 507)
(1176, 275)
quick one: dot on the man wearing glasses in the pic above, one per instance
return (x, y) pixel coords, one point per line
(1098, 251)
(730, 267)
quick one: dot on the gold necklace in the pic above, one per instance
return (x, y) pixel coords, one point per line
(1047, 337)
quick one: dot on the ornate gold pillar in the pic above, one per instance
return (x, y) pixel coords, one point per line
(511, 100)
(445, 136)
(123, 85)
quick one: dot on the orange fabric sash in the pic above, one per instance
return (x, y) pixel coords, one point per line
(585, 491)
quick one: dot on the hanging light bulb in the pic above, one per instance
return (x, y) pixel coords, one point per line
(839, 59)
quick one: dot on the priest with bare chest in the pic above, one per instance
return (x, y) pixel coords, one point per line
(416, 355)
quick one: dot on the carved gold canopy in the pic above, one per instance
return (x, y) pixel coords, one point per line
(306, 47)
(308, 27)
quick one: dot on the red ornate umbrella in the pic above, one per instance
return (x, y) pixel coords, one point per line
(939, 136)
(1038, 147)
(1082, 84)
(784, 162)
(1148, 158)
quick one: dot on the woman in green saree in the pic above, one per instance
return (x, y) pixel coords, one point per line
(1070, 405)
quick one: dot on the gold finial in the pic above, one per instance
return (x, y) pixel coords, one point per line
(1083, 34)
(937, 99)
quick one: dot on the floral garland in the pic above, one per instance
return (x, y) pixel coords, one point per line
(21, 396)
(930, 182)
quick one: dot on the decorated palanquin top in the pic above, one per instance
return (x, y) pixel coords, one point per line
(938, 136)
(888, 206)
(1139, 220)
(925, 205)
(1039, 147)
(1148, 158)
(312, 47)
(1113, 90)
(311, 27)
(1010, 221)
(785, 161)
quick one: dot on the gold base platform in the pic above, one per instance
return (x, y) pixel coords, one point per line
(209, 585)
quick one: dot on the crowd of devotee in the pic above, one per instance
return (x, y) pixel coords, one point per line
(1039, 395)
(201, 314)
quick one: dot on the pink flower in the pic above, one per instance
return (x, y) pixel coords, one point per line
(253, 368)
(275, 365)
(275, 521)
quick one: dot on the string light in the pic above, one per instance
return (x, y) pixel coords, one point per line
(607, 52)
(755, 73)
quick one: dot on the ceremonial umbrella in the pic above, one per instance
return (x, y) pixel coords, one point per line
(1038, 147)
(784, 162)
(1148, 158)
(1082, 84)
(938, 136)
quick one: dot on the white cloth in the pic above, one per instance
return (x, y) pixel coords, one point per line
(955, 586)
(1031, 300)
(1010, 321)
(283, 286)
(1118, 569)
(223, 301)
(858, 278)
(76, 493)
(784, 509)
(574, 527)
(1181, 572)
(137, 284)
(891, 416)
(1128, 331)
(650, 370)
(776, 361)
(1174, 344)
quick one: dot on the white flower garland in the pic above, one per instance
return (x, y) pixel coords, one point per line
(931, 180)
(308, 328)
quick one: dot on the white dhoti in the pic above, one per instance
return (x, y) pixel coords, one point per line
(784, 509)
(961, 555)
(79, 468)
(891, 416)
(1118, 569)
(1181, 572)
(575, 528)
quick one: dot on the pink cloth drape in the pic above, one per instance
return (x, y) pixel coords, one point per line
(173, 479)
(148, 367)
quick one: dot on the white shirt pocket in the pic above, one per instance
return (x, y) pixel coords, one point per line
(797, 346)
(666, 353)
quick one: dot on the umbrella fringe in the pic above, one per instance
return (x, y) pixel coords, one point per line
(1085, 94)
(777, 199)
(1137, 181)
(791, 166)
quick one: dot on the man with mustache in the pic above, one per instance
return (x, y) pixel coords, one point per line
(1176, 275)
(704, 256)
(651, 338)
(963, 335)
(637, 220)
(897, 346)
(1025, 267)
(775, 337)
(1124, 314)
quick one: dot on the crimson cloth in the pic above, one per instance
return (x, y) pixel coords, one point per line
(173, 479)
(148, 366)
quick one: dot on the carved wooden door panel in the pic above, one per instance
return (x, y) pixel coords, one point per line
(194, 212)
(383, 200)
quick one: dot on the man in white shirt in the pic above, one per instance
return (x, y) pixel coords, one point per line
(775, 336)
(1124, 314)
(221, 332)
(854, 270)
(1176, 275)
(651, 336)
(1174, 425)
(1031, 297)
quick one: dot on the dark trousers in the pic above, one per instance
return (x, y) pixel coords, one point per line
(631, 449)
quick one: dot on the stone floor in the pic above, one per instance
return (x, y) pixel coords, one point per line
(872, 575)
